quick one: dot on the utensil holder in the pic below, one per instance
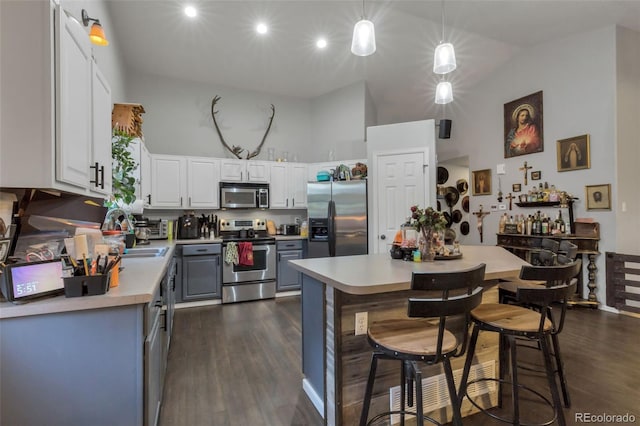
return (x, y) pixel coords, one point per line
(86, 285)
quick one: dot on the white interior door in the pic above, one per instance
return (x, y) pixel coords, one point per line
(400, 182)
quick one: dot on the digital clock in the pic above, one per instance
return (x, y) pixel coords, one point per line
(26, 281)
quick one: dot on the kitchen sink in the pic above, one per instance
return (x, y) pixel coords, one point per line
(145, 252)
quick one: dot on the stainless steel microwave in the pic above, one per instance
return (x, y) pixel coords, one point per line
(234, 195)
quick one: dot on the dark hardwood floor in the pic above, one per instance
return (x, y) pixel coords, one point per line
(239, 364)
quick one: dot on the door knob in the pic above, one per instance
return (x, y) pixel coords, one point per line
(383, 237)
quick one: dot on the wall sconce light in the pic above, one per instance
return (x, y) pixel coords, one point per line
(364, 37)
(96, 34)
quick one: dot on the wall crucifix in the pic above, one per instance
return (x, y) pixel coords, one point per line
(526, 168)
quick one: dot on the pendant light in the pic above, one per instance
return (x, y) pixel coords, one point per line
(364, 37)
(444, 59)
(444, 93)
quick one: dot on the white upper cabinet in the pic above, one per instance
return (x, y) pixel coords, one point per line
(236, 170)
(288, 186)
(101, 126)
(145, 175)
(73, 109)
(203, 182)
(55, 103)
(168, 176)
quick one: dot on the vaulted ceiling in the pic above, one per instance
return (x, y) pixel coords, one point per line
(220, 45)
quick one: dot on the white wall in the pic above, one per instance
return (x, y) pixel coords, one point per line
(577, 77)
(338, 123)
(627, 202)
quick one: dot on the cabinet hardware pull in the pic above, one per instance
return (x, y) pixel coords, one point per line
(189, 201)
(149, 197)
(294, 202)
(101, 177)
(181, 201)
(248, 175)
(287, 202)
(95, 174)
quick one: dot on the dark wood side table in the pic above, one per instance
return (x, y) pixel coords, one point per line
(524, 245)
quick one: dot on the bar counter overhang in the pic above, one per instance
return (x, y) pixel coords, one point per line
(335, 362)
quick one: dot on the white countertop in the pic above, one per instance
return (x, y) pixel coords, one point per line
(137, 284)
(379, 273)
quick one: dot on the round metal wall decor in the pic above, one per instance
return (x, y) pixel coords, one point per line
(462, 185)
(464, 228)
(465, 203)
(451, 196)
(456, 216)
(443, 175)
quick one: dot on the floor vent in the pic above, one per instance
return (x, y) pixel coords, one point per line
(435, 394)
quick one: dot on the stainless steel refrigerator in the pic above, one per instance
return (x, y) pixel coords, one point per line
(337, 218)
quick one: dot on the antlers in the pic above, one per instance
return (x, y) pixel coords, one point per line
(236, 150)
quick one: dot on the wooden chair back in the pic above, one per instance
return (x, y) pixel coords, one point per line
(552, 275)
(568, 249)
(456, 307)
(543, 297)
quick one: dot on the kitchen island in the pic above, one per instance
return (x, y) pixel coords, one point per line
(336, 361)
(95, 360)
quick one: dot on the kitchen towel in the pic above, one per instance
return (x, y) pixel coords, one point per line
(231, 255)
(245, 253)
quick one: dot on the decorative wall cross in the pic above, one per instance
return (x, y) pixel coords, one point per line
(510, 198)
(480, 215)
(525, 168)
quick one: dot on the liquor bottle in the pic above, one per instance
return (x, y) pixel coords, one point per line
(529, 225)
(561, 224)
(544, 225)
(502, 223)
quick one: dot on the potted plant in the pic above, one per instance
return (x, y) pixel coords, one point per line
(123, 166)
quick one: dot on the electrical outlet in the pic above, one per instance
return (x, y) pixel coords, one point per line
(502, 206)
(362, 322)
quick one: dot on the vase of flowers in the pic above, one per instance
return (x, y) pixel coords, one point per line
(428, 222)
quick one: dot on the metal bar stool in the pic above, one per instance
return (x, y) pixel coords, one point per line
(516, 322)
(530, 277)
(420, 340)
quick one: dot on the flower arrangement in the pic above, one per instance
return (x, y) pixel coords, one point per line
(428, 218)
(428, 222)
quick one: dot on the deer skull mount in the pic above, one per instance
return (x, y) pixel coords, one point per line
(236, 150)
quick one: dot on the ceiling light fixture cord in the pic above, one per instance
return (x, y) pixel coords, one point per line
(363, 12)
(442, 9)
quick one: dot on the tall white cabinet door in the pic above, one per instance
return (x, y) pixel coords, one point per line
(278, 188)
(258, 171)
(73, 109)
(399, 184)
(101, 178)
(167, 180)
(203, 182)
(145, 175)
(297, 185)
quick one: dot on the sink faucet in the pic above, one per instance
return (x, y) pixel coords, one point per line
(117, 219)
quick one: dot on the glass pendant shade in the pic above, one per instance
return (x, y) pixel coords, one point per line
(96, 35)
(444, 60)
(364, 38)
(444, 93)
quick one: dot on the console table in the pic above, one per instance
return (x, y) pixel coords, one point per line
(524, 245)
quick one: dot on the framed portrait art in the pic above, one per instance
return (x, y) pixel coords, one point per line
(573, 153)
(523, 126)
(482, 182)
(516, 187)
(598, 197)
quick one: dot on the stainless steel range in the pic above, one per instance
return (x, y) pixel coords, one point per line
(242, 282)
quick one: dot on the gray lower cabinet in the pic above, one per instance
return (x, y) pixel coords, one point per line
(201, 272)
(90, 367)
(289, 278)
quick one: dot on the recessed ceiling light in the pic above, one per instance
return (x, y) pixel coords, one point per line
(190, 11)
(321, 43)
(261, 28)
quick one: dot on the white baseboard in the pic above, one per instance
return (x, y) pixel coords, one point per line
(198, 303)
(288, 293)
(316, 399)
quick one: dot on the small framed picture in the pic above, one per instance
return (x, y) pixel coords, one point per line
(516, 187)
(598, 197)
(536, 175)
(482, 182)
(573, 153)
(4, 249)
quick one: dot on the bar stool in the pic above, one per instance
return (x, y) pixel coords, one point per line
(515, 322)
(420, 340)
